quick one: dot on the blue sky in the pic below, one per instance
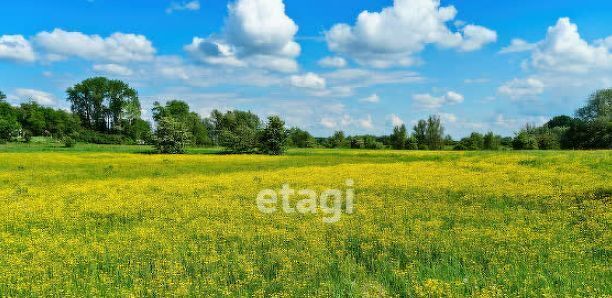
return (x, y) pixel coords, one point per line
(358, 66)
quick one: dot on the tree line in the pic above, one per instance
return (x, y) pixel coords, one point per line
(104, 111)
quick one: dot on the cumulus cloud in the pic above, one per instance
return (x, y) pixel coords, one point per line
(366, 123)
(329, 123)
(374, 98)
(309, 80)
(16, 48)
(119, 47)
(518, 45)
(256, 33)
(113, 69)
(564, 51)
(428, 101)
(522, 88)
(396, 120)
(38, 96)
(394, 35)
(333, 62)
(178, 6)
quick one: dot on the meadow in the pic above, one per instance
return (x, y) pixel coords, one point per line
(118, 221)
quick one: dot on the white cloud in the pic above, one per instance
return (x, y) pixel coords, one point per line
(329, 123)
(564, 51)
(176, 6)
(428, 101)
(475, 37)
(396, 120)
(119, 47)
(454, 97)
(333, 62)
(374, 98)
(448, 118)
(309, 80)
(522, 88)
(113, 69)
(257, 33)
(38, 96)
(394, 35)
(366, 123)
(518, 45)
(17, 48)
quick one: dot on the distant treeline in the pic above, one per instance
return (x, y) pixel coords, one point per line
(107, 111)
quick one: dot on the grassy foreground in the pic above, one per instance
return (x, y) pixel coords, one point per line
(427, 224)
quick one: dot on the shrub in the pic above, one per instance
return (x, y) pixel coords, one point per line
(171, 136)
(69, 142)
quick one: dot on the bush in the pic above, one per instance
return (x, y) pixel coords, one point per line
(525, 141)
(69, 142)
(171, 136)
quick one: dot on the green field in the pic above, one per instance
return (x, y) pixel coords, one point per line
(119, 221)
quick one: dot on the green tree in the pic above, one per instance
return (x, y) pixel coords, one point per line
(180, 111)
(420, 134)
(104, 105)
(434, 133)
(525, 141)
(300, 138)
(236, 130)
(599, 106)
(337, 140)
(273, 139)
(2, 95)
(399, 137)
(491, 141)
(9, 126)
(171, 136)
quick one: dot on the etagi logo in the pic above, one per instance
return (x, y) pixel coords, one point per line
(267, 201)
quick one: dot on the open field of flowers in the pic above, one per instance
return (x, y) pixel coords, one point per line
(426, 224)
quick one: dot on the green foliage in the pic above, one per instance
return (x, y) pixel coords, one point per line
(491, 141)
(300, 138)
(180, 111)
(560, 121)
(337, 140)
(103, 104)
(399, 137)
(599, 106)
(2, 95)
(429, 134)
(69, 142)
(273, 139)
(27, 136)
(475, 141)
(525, 141)
(236, 131)
(171, 136)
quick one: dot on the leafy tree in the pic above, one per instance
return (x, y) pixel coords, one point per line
(491, 141)
(525, 141)
(236, 130)
(9, 126)
(104, 105)
(420, 133)
(337, 140)
(180, 111)
(399, 137)
(434, 133)
(474, 142)
(171, 136)
(300, 138)
(560, 121)
(2, 95)
(273, 139)
(412, 144)
(599, 106)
